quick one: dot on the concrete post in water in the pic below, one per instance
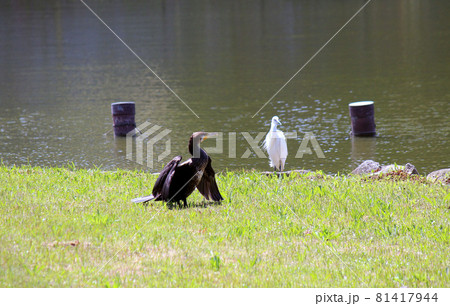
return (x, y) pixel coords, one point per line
(123, 117)
(363, 119)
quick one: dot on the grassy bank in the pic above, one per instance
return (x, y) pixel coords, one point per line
(78, 228)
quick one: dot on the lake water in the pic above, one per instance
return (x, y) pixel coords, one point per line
(61, 68)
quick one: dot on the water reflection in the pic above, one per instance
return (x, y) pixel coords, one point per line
(61, 69)
(363, 148)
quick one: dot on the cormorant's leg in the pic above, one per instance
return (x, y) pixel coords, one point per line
(185, 203)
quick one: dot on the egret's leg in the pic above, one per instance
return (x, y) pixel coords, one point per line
(282, 163)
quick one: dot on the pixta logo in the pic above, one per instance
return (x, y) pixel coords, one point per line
(150, 135)
(142, 142)
(254, 144)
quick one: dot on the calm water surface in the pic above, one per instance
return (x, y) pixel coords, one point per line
(61, 68)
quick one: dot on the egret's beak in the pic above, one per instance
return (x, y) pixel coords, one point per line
(279, 122)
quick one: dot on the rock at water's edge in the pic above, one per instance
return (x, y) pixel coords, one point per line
(408, 169)
(442, 175)
(367, 167)
(390, 168)
(372, 167)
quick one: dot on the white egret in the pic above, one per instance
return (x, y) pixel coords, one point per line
(275, 145)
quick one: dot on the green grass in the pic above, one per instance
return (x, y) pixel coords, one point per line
(77, 228)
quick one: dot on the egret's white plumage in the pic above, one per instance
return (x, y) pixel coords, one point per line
(275, 145)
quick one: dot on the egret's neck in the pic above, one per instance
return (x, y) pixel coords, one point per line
(273, 127)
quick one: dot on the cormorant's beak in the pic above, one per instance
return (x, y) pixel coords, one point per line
(208, 135)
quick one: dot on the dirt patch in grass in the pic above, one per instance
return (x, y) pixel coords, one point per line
(72, 243)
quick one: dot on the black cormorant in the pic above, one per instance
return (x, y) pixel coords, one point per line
(177, 181)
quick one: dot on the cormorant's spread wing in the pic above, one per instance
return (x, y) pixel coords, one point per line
(165, 177)
(208, 186)
(158, 188)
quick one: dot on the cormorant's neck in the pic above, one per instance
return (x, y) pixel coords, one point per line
(196, 144)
